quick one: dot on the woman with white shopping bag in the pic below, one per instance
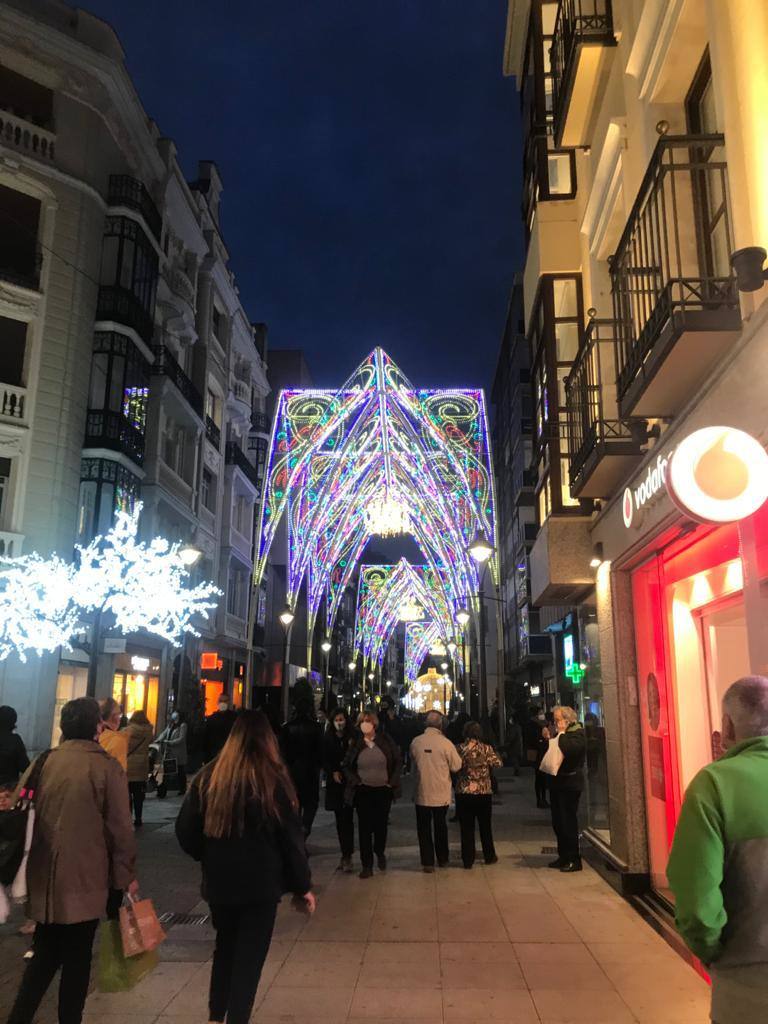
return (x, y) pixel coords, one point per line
(564, 763)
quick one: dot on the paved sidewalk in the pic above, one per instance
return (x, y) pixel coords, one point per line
(514, 943)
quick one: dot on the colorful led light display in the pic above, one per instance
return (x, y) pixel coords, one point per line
(377, 443)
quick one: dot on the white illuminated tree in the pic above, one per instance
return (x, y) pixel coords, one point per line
(144, 586)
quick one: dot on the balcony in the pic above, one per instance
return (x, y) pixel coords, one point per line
(536, 647)
(602, 448)
(26, 137)
(129, 192)
(213, 433)
(12, 402)
(121, 306)
(260, 423)
(10, 544)
(559, 561)
(580, 57)
(112, 430)
(165, 365)
(235, 456)
(675, 301)
(523, 486)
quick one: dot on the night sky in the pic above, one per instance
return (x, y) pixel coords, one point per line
(370, 157)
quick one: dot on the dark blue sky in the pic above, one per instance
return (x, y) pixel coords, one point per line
(370, 157)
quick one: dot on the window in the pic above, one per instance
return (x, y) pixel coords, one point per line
(19, 226)
(5, 483)
(216, 323)
(213, 407)
(26, 99)
(129, 261)
(105, 486)
(241, 515)
(174, 446)
(13, 343)
(208, 490)
(236, 593)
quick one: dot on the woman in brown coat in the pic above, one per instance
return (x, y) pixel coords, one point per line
(140, 734)
(82, 848)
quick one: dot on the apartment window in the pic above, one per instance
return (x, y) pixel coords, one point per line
(241, 515)
(26, 99)
(129, 261)
(216, 323)
(213, 407)
(13, 344)
(20, 258)
(5, 485)
(174, 446)
(208, 490)
(119, 378)
(105, 487)
(236, 593)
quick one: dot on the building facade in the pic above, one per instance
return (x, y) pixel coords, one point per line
(128, 368)
(644, 169)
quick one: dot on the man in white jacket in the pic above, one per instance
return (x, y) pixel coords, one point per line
(434, 757)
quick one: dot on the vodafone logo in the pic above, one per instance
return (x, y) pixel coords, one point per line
(636, 498)
(627, 507)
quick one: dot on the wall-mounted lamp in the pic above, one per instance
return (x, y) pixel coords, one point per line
(748, 267)
(597, 556)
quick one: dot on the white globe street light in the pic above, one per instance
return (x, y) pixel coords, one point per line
(325, 646)
(480, 549)
(462, 617)
(352, 666)
(286, 616)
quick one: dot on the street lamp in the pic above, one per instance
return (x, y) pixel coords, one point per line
(452, 647)
(190, 555)
(286, 618)
(325, 647)
(462, 617)
(481, 550)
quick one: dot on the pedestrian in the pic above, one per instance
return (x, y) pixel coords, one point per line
(474, 798)
(240, 821)
(13, 755)
(514, 744)
(718, 870)
(434, 757)
(301, 743)
(372, 773)
(139, 733)
(336, 742)
(173, 746)
(112, 738)
(81, 858)
(566, 786)
(540, 778)
(218, 726)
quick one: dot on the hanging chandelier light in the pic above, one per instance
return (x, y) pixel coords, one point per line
(387, 517)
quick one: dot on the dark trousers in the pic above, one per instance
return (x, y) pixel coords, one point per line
(65, 946)
(565, 821)
(243, 935)
(540, 782)
(345, 830)
(137, 791)
(309, 800)
(373, 804)
(182, 779)
(432, 829)
(471, 809)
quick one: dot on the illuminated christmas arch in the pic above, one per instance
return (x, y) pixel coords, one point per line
(377, 456)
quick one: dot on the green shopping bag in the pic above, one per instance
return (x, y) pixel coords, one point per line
(118, 973)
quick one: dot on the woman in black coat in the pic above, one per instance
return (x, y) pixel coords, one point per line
(240, 820)
(336, 742)
(565, 788)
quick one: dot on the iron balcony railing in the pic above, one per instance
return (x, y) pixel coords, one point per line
(673, 258)
(213, 433)
(166, 365)
(260, 422)
(577, 22)
(112, 430)
(123, 307)
(130, 192)
(235, 456)
(592, 417)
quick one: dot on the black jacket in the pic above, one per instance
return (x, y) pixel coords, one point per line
(573, 746)
(268, 860)
(335, 750)
(13, 757)
(218, 726)
(301, 744)
(392, 754)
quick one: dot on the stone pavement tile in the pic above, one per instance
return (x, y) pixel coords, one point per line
(578, 976)
(151, 995)
(482, 921)
(338, 925)
(478, 952)
(537, 927)
(475, 975)
(473, 1004)
(306, 1004)
(193, 997)
(426, 953)
(606, 926)
(645, 952)
(120, 1018)
(416, 973)
(562, 1005)
(419, 925)
(294, 974)
(671, 974)
(400, 1020)
(552, 953)
(396, 1003)
(329, 953)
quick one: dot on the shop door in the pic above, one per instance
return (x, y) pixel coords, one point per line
(725, 652)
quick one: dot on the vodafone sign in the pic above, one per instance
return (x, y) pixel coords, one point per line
(716, 475)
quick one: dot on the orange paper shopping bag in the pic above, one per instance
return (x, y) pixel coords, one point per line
(140, 929)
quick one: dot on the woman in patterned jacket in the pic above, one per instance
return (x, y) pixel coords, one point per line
(474, 798)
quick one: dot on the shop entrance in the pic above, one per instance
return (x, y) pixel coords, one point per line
(135, 691)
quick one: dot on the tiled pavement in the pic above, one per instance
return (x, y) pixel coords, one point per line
(515, 943)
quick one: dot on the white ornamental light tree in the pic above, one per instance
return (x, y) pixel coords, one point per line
(143, 585)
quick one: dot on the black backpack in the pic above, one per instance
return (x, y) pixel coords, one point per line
(13, 823)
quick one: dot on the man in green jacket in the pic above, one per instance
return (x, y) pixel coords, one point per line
(718, 868)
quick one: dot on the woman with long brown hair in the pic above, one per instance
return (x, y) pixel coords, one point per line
(240, 820)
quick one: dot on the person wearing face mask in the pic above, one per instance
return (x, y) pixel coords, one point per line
(336, 740)
(372, 771)
(218, 726)
(173, 743)
(111, 738)
(540, 779)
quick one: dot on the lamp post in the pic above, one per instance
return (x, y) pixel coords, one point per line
(190, 555)
(286, 619)
(481, 550)
(444, 669)
(462, 618)
(325, 647)
(351, 667)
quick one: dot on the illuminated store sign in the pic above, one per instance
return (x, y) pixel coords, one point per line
(637, 498)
